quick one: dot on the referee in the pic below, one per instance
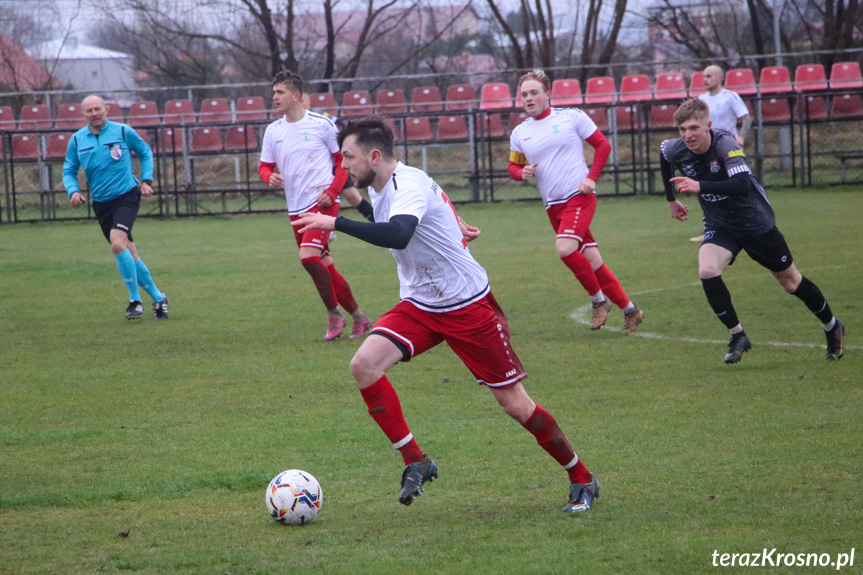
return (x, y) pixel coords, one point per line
(104, 150)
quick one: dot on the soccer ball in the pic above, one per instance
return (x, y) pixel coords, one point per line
(294, 497)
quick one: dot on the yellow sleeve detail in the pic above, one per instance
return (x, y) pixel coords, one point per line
(736, 154)
(517, 158)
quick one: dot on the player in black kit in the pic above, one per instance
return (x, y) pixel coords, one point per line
(737, 216)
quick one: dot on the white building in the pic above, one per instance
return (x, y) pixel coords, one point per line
(86, 68)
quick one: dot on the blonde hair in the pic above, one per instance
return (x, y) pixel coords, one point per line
(539, 75)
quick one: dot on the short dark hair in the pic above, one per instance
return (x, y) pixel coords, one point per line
(291, 79)
(371, 132)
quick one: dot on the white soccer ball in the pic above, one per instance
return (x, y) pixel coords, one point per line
(294, 497)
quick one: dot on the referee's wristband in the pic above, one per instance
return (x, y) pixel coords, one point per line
(148, 182)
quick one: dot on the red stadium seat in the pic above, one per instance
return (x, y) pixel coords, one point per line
(627, 118)
(566, 92)
(7, 118)
(240, 138)
(357, 103)
(170, 140)
(460, 97)
(515, 119)
(775, 80)
(179, 112)
(810, 78)
(206, 140)
(742, 81)
(635, 88)
(115, 112)
(69, 117)
(252, 109)
(845, 76)
(391, 103)
(670, 86)
(25, 147)
(491, 126)
(215, 111)
(775, 110)
(144, 114)
(600, 90)
(812, 107)
(426, 99)
(35, 117)
(452, 128)
(599, 117)
(495, 96)
(323, 103)
(696, 84)
(662, 116)
(846, 106)
(57, 144)
(418, 129)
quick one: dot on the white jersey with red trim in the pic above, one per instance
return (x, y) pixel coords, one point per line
(303, 151)
(437, 272)
(725, 108)
(556, 145)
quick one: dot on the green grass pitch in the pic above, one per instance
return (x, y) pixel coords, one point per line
(146, 446)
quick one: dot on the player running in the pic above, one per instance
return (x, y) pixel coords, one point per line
(737, 216)
(445, 296)
(303, 146)
(549, 146)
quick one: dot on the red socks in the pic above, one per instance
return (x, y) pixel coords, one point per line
(611, 286)
(323, 280)
(549, 436)
(580, 266)
(343, 290)
(386, 409)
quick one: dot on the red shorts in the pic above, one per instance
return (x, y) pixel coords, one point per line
(316, 238)
(572, 219)
(478, 334)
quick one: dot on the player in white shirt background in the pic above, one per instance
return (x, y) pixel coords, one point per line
(548, 146)
(445, 296)
(303, 146)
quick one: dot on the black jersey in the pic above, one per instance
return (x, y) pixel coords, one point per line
(749, 212)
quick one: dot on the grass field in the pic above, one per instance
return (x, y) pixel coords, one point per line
(146, 446)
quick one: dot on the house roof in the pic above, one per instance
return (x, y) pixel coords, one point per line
(72, 49)
(19, 71)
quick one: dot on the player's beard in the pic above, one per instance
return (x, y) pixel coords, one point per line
(363, 180)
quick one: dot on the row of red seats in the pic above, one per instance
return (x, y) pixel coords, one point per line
(203, 140)
(493, 96)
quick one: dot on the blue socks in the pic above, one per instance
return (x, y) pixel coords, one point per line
(126, 265)
(146, 281)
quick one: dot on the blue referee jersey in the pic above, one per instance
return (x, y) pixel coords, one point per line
(107, 161)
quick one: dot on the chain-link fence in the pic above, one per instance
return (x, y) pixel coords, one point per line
(212, 168)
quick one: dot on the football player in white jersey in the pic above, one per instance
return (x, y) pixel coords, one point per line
(303, 146)
(445, 296)
(548, 146)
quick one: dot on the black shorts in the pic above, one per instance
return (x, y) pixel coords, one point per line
(768, 249)
(119, 213)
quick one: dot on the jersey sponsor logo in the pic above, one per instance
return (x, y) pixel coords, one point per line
(555, 129)
(712, 198)
(688, 170)
(511, 373)
(736, 154)
(306, 137)
(116, 151)
(714, 166)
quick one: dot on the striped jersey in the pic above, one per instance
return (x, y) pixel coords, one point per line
(556, 145)
(436, 270)
(303, 151)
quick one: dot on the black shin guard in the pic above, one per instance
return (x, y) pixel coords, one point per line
(719, 299)
(809, 293)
